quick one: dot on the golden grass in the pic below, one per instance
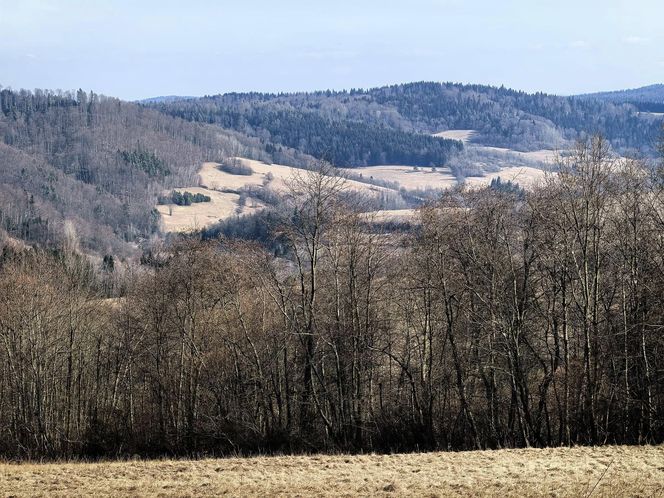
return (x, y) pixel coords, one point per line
(548, 156)
(223, 205)
(391, 215)
(604, 471)
(282, 176)
(199, 215)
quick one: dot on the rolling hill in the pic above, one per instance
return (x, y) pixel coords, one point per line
(501, 117)
(98, 165)
(646, 99)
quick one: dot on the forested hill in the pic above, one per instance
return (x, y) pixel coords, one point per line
(346, 135)
(646, 99)
(98, 163)
(502, 117)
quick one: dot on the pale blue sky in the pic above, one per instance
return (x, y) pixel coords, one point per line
(135, 49)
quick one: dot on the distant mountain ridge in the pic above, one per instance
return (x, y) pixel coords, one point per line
(647, 99)
(164, 99)
(502, 117)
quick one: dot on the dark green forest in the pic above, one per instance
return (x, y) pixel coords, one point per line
(341, 142)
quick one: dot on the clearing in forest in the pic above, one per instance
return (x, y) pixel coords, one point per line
(224, 191)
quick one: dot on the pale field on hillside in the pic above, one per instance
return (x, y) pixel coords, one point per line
(407, 176)
(199, 215)
(525, 176)
(223, 205)
(391, 215)
(463, 135)
(544, 155)
(608, 471)
(278, 177)
(282, 176)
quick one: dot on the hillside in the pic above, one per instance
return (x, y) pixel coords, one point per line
(501, 117)
(97, 162)
(91, 168)
(646, 99)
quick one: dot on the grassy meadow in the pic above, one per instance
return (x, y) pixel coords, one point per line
(609, 471)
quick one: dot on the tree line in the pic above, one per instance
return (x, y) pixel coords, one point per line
(502, 320)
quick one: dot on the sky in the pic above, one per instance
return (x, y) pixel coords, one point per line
(136, 49)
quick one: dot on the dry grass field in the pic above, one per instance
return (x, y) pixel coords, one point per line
(407, 176)
(546, 156)
(223, 204)
(525, 176)
(202, 214)
(391, 215)
(281, 176)
(597, 472)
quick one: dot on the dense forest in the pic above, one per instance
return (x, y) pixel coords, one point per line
(506, 318)
(502, 117)
(342, 142)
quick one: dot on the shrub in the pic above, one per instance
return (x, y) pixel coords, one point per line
(236, 168)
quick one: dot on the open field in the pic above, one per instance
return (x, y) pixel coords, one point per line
(224, 204)
(407, 176)
(391, 215)
(544, 155)
(202, 214)
(525, 176)
(609, 471)
(281, 176)
(463, 135)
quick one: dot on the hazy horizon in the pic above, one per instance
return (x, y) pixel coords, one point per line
(162, 48)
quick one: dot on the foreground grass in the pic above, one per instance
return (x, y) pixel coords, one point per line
(603, 471)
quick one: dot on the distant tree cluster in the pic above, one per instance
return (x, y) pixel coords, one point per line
(508, 187)
(235, 167)
(146, 161)
(183, 198)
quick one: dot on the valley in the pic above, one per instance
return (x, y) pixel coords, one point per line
(229, 192)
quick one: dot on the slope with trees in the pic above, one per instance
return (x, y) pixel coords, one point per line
(98, 162)
(502, 117)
